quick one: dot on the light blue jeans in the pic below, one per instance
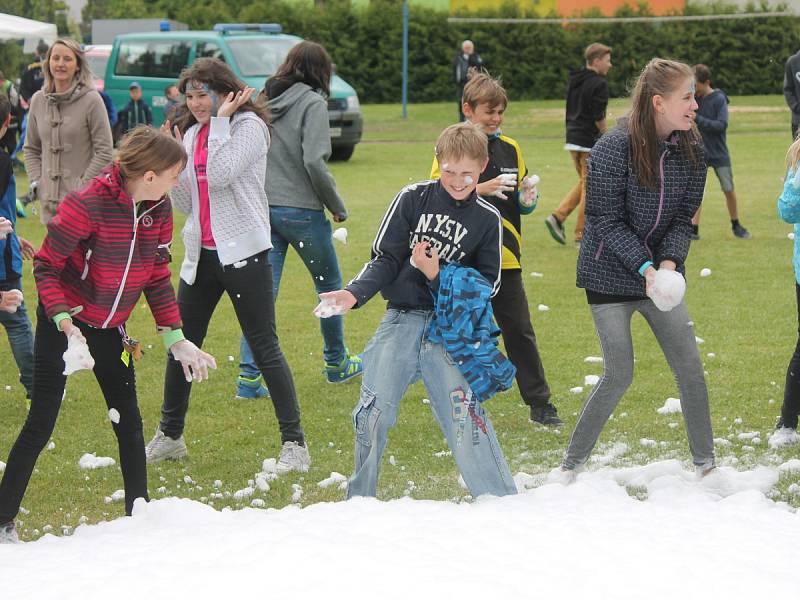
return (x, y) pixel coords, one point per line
(397, 356)
(20, 337)
(309, 233)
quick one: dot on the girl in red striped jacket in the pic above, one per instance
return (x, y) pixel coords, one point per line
(108, 243)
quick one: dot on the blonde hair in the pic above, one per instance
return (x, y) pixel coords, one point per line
(482, 88)
(147, 149)
(793, 154)
(660, 77)
(83, 74)
(462, 140)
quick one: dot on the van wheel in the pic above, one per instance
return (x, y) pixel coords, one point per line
(342, 152)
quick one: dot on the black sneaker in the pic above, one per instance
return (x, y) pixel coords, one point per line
(546, 415)
(741, 232)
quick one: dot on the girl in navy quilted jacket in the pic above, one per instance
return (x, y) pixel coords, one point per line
(645, 181)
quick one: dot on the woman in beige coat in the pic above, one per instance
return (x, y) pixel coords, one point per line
(69, 137)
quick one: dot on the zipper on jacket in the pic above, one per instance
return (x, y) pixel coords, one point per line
(127, 264)
(660, 201)
(86, 264)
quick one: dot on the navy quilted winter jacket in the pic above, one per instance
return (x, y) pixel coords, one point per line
(628, 224)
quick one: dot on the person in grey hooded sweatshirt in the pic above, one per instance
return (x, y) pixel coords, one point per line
(299, 188)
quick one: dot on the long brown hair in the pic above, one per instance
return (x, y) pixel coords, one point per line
(83, 74)
(146, 149)
(220, 79)
(309, 63)
(659, 77)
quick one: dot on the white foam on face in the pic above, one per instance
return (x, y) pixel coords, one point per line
(672, 405)
(90, 461)
(469, 180)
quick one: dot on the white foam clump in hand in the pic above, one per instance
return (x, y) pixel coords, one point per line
(328, 308)
(90, 461)
(113, 415)
(667, 290)
(340, 234)
(77, 356)
(672, 405)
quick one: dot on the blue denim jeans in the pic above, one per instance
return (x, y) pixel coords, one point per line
(20, 337)
(397, 356)
(309, 233)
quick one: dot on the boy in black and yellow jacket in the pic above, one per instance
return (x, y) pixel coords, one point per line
(505, 184)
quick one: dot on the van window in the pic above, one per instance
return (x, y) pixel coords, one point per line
(209, 50)
(152, 59)
(259, 57)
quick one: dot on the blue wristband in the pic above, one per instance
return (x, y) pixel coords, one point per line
(645, 266)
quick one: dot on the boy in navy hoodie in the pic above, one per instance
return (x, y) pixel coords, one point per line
(428, 222)
(712, 121)
(12, 249)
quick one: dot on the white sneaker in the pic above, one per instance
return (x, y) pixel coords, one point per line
(163, 447)
(8, 534)
(783, 437)
(294, 457)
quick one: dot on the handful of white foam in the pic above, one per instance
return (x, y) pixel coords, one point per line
(77, 356)
(328, 307)
(667, 290)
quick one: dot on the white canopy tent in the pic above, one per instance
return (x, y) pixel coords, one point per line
(19, 28)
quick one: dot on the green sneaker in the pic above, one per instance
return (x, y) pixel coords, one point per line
(351, 366)
(250, 389)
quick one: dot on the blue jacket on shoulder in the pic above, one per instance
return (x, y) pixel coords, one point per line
(11, 263)
(464, 324)
(789, 210)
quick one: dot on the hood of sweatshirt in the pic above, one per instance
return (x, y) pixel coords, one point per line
(77, 90)
(577, 78)
(280, 104)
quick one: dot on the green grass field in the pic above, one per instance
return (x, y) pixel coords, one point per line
(745, 312)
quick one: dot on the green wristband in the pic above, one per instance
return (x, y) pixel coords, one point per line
(172, 336)
(60, 317)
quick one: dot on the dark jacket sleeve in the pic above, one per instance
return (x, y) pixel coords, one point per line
(389, 250)
(599, 102)
(489, 260)
(674, 245)
(148, 114)
(606, 187)
(789, 89)
(719, 122)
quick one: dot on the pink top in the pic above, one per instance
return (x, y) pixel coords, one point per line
(200, 160)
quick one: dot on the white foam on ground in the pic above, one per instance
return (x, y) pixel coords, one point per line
(672, 405)
(683, 522)
(90, 461)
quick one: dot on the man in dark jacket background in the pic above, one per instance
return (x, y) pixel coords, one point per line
(587, 99)
(465, 60)
(791, 89)
(712, 122)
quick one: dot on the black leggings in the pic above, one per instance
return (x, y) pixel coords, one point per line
(249, 286)
(118, 384)
(791, 390)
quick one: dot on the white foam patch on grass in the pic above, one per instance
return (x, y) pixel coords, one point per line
(90, 461)
(672, 405)
(682, 521)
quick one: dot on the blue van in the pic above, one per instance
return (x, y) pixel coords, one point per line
(254, 52)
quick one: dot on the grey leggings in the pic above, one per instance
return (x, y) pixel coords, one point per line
(675, 335)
